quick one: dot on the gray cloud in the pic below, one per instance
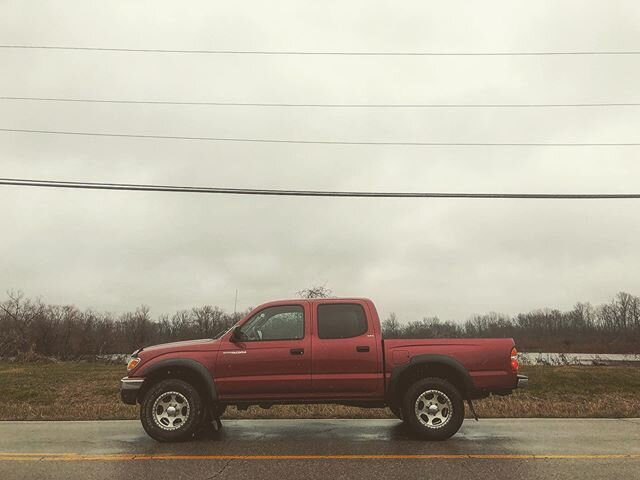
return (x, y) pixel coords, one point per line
(114, 251)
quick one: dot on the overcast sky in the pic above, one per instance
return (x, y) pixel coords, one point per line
(117, 250)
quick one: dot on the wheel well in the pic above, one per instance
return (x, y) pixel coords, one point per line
(425, 370)
(178, 372)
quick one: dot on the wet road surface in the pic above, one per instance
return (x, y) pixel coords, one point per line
(321, 449)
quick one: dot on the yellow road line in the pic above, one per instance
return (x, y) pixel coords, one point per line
(78, 457)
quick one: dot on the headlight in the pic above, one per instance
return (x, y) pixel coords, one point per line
(133, 363)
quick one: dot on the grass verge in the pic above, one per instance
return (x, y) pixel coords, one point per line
(89, 391)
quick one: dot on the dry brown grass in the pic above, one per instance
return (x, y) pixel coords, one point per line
(89, 391)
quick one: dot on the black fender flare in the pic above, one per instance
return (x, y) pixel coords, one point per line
(196, 367)
(469, 389)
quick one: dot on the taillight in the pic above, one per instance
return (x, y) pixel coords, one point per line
(514, 360)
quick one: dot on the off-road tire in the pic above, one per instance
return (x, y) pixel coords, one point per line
(194, 410)
(444, 397)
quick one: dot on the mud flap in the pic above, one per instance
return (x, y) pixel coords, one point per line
(473, 410)
(216, 423)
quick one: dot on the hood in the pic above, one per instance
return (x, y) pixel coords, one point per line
(185, 346)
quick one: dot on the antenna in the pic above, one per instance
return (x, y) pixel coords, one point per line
(235, 304)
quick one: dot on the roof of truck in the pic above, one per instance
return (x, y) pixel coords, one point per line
(329, 299)
(285, 301)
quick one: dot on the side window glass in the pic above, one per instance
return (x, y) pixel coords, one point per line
(275, 323)
(341, 320)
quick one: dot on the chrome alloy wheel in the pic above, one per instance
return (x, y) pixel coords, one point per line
(433, 409)
(171, 410)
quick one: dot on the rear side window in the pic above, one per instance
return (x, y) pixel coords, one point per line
(341, 320)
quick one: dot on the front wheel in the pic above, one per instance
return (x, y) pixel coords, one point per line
(171, 410)
(433, 408)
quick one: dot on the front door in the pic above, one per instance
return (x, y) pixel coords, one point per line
(271, 357)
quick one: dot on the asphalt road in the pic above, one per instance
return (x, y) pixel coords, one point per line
(324, 449)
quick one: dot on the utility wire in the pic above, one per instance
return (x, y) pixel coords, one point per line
(325, 105)
(323, 142)
(345, 53)
(22, 182)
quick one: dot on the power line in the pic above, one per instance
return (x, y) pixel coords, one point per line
(344, 53)
(22, 182)
(322, 142)
(324, 105)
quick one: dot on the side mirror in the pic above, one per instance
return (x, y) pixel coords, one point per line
(236, 335)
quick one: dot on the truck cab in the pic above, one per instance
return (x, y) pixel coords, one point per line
(303, 350)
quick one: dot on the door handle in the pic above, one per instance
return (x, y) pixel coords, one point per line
(297, 351)
(362, 348)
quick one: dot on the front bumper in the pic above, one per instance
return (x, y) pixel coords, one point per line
(523, 381)
(129, 389)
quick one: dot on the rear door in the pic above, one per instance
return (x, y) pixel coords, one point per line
(345, 351)
(273, 358)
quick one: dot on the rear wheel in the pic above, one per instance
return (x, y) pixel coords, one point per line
(433, 408)
(171, 410)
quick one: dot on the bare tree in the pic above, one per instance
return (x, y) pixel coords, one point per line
(391, 327)
(316, 291)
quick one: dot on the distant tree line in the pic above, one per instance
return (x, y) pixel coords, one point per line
(610, 328)
(31, 328)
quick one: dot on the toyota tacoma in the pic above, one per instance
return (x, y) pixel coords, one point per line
(316, 351)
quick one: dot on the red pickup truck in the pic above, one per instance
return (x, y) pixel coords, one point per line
(316, 351)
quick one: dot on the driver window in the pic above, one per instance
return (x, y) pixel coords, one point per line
(275, 323)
